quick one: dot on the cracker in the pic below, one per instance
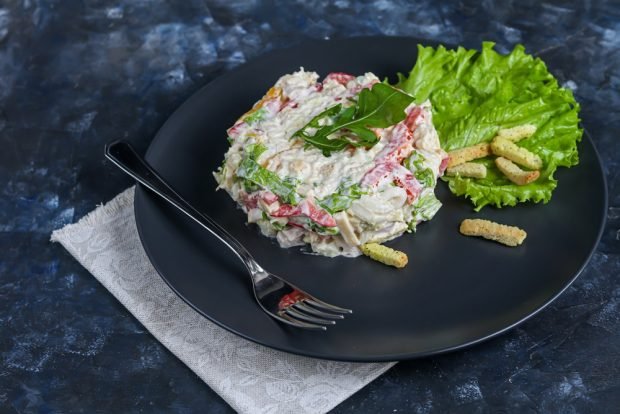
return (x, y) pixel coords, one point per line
(516, 134)
(508, 149)
(385, 255)
(508, 235)
(468, 169)
(514, 173)
(463, 155)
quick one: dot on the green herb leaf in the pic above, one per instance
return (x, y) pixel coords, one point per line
(338, 127)
(424, 175)
(424, 208)
(474, 94)
(326, 231)
(250, 170)
(342, 198)
(255, 116)
(255, 150)
(278, 223)
(250, 186)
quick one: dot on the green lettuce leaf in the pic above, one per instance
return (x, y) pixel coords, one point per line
(255, 116)
(342, 198)
(256, 176)
(424, 208)
(378, 107)
(474, 94)
(415, 164)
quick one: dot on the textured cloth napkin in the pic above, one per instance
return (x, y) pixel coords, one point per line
(250, 377)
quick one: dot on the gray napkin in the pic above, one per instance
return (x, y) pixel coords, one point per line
(250, 377)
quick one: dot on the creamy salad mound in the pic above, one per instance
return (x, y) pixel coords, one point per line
(334, 201)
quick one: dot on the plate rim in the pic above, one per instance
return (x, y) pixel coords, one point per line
(140, 194)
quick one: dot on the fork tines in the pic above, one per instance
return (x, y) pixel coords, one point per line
(312, 313)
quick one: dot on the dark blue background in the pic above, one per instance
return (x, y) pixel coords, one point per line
(77, 74)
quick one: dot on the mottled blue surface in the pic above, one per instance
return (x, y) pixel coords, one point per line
(76, 74)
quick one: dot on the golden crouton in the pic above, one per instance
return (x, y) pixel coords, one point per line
(507, 149)
(468, 169)
(385, 255)
(466, 154)
(514, 173)
(517, 133)
(508, 235)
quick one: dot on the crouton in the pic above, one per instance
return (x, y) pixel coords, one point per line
(516, 134)
(508, 235)
(468, 169)
(514, 173)
(463, 155)
(507, 149)
(385, 255)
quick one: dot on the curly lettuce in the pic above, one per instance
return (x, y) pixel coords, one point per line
(474, 94)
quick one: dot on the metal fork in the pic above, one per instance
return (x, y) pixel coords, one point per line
(278, 298)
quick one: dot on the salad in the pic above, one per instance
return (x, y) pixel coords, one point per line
(335, 163)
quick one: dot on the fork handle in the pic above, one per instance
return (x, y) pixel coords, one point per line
(127, 159)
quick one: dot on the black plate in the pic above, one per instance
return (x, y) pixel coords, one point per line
(456, 291)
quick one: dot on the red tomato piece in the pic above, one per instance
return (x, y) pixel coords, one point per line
(251, 200)
(444, 164)
(399, 147)
(234, 130)
(340, 77)
(377, 174)
(291, 299)
(414, 118)
(307, 209)
(406, 180)
(396, 173)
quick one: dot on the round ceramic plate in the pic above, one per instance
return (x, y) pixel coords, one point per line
(456, 290)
